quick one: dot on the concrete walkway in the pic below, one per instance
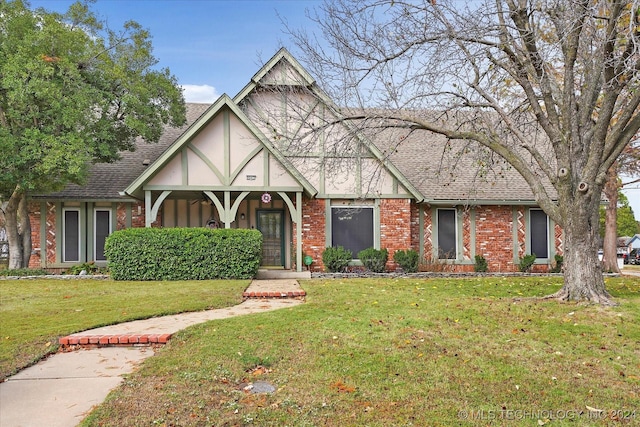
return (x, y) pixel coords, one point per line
(61, 390)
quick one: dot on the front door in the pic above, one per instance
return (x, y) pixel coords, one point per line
(271, 225)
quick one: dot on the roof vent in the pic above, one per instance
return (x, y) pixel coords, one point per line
(146, 162)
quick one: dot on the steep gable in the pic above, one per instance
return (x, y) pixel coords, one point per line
(221, 150)
(299, 119)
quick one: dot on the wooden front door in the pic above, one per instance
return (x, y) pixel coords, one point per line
(271, 225)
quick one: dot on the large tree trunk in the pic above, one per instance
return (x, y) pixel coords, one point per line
(610, 244)
(583, 278)
(16, 217)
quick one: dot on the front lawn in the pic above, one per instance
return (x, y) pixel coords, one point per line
(34, 313)
(374, 352)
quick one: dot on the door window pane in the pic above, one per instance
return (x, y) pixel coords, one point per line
(270, 224)
(539, 233)
(71, 235)
(447, 234)
(103, 229)
(352, 228)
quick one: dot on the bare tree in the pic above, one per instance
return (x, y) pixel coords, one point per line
(551, 86)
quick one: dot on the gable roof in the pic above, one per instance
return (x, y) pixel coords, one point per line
(421, 162)
(282, 54)
(306, 80)
(135, 188)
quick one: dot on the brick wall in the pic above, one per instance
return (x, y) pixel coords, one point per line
(427, 234)
(494, 237)
(466, 235)
(415, 226)
(313, 230)
(395, 227)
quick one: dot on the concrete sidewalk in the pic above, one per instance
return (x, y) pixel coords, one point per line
(60, 390)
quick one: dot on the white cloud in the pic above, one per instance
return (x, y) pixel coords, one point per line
(200, 93)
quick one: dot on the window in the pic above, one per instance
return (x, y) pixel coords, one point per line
(71, 235)
(539, 233)
(352, 228)
(447, 234)
(102, 224)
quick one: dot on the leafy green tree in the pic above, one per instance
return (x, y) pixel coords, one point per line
(72, 92)
(626, 224)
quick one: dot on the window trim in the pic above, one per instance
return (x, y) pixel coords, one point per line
(64, 234)
(436, 247)
(95, 229)
(529, 240)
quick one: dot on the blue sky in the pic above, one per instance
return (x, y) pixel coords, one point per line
(216, 46)
(211, 46)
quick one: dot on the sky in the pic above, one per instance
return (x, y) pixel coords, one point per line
(216, 46)
(211, 46)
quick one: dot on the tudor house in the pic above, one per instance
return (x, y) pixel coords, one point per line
(231, 167)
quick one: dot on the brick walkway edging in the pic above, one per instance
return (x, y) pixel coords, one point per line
(74, 341)
(271, 294)
(114, 340)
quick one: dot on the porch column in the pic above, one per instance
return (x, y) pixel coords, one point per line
(227, 210)
(296, 217)
(151, 209)
(147, 208)
(299, 231)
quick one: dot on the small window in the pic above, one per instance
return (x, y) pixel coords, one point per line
(447, 247)
(71, 235)
(102, 224)
(539, 233)
(352, 228)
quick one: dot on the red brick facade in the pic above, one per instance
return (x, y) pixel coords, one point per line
(313, 230)
(399, 230)
(395, 227)
(47, 247)
(494, 236)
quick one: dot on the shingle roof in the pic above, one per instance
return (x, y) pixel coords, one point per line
(454, 170)
(442, 170)
(106, 180)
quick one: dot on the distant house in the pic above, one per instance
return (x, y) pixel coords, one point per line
(229, 168)
(633, 243)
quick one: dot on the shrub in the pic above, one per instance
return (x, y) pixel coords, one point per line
(183, 253)
(481, 265)
(526, 263)
(373, 259)
(407, 260)
(336, 259)
(557, 268)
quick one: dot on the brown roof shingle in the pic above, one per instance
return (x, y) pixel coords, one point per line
(455, 170)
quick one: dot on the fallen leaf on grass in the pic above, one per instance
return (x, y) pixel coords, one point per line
(342, 387)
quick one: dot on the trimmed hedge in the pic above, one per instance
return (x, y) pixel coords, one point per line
(183, 253)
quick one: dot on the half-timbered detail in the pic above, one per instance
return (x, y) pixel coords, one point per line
(234, 165)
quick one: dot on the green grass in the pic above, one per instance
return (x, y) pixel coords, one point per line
(374, 352)
(35, 313)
